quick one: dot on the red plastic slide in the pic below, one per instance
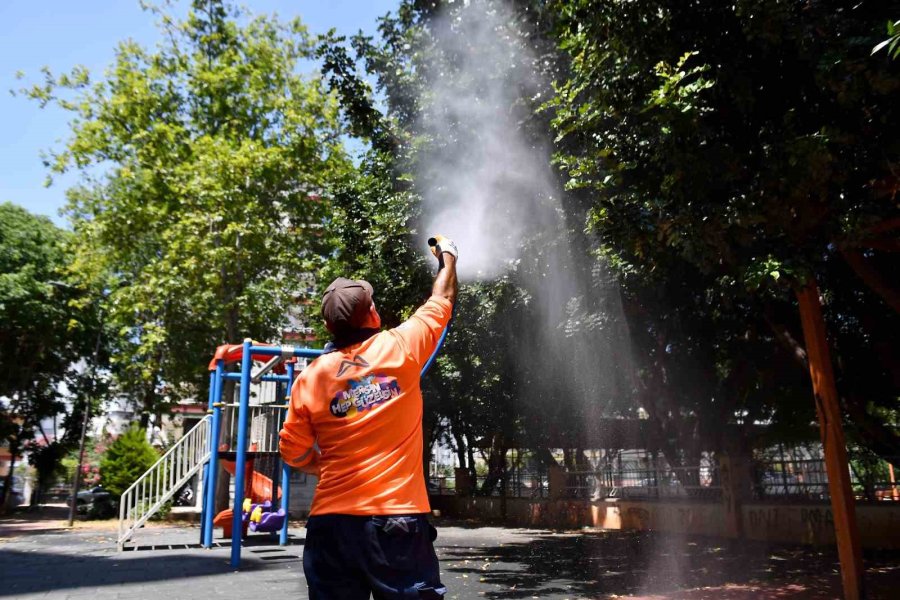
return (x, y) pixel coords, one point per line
(260, 485)
(260, 491)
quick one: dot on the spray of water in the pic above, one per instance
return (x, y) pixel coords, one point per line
(485, 184)
(488, 183)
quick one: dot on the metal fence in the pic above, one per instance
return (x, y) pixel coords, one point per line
(520, 483)
(700, 482)
(440, 485)
(807, 480)
(771, 480)
(528, 483)
(783, 480)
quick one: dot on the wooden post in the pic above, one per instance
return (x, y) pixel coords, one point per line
(832, 433)
(894, 494)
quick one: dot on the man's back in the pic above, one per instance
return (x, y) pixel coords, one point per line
(355, 419)
(363, 405)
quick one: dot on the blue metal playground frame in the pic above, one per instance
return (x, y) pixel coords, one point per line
(210, 471)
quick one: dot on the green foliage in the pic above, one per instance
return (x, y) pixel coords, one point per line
(33, 315)
(47, 461)
(46, 327)
(714, 166)
(163, 512)
(372, 229)
(472, 386)
(722, 181)
(723, 153)
(716, 155)
(126, 459)
(94, 449)
(214, 151)
(892, 44)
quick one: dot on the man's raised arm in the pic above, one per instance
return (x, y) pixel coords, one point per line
(445, 282)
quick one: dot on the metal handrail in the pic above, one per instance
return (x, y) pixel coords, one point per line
(167, 475)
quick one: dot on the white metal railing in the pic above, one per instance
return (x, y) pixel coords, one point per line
(264, 422)
(157, 486)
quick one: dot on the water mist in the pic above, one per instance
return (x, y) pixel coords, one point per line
(487, 181)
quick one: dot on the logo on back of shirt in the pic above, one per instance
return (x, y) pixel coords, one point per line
(358, 361)
(364, 394)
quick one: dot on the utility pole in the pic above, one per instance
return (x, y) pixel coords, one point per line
(76, 479)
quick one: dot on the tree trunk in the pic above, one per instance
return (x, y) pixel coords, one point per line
(8, 488)
(836, 463)
(460, 448)
(496, 465)
(880, 438)
(545, 457)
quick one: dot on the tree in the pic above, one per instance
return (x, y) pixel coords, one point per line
(126, 459)
(701, 174)
(46, 329)
(213, 150)
(487, 388)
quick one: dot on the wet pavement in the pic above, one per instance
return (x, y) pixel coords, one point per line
(166, 563)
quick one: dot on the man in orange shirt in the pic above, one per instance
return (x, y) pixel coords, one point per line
(355, 419)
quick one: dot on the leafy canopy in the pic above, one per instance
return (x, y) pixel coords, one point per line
(203, 162)
(47, 327)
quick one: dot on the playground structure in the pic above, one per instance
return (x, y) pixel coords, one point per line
(251, 431)
(248, 439)
(243, 435)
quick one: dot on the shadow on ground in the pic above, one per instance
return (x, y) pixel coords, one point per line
(27, 572)
(248, 542)
(69, 563)
(41, 512)
(651, 565)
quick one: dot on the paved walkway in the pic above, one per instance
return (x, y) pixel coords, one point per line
(476, 562)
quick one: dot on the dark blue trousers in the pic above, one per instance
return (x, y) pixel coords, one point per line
(347, 557)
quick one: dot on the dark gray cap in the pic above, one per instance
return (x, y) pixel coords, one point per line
(346, 304)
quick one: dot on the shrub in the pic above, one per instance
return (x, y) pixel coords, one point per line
(125, 460)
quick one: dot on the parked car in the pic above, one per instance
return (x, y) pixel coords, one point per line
(95, 503)
(92, 495)
(16, 497)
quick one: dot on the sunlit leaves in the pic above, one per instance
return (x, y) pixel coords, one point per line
(204, 161)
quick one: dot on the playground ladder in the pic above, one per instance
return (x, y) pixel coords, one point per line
(157, 486)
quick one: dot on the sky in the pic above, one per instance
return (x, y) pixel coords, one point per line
(63, 33)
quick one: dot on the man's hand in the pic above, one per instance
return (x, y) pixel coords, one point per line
(440, 244)
(312, 467)
(445, 284)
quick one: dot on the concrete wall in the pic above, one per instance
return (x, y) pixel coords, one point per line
(806, 524)
(879, 524)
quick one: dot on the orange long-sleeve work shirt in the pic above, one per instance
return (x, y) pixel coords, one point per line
(363, 406)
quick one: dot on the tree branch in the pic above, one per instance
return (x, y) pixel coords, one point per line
(880, 438)
(872, 278)
(787, 340)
